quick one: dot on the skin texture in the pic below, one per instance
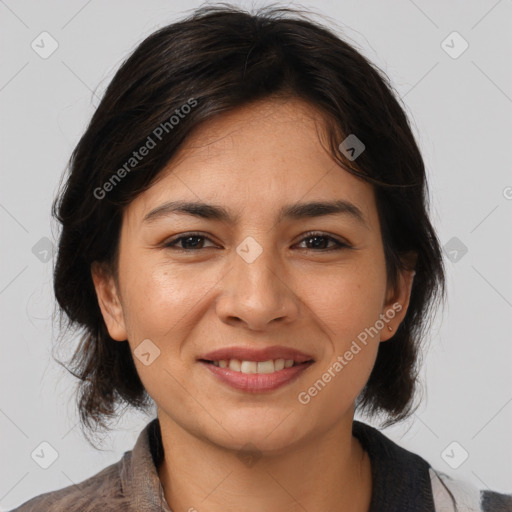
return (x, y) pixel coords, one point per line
(252, 161)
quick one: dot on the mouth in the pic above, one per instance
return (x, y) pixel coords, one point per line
(259, 367)
(256, 376)
(256, 370)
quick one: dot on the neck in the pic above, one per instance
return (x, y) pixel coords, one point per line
(328, 472)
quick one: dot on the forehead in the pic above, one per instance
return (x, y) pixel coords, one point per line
(256, 158)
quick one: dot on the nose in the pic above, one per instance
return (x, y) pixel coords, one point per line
(257, 293)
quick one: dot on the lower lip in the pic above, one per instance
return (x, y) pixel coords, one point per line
(257, 382)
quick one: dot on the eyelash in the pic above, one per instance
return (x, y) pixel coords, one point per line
(172, 244)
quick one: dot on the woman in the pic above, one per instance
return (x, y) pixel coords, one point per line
(245, 241)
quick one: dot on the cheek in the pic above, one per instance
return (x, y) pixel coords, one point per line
(348, 300)
(158, 300)
(161, 306)
(348, 308)
(347, 303)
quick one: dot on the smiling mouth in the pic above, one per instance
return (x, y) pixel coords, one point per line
(259, 367)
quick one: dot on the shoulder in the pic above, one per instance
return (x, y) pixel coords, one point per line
(403, 480)
(100, 492)
(458, 495)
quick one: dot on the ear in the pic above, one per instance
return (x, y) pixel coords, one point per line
(397, 299)
(109, 302)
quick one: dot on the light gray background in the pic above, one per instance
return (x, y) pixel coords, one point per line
(460, 109)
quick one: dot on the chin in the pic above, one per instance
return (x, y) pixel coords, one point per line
(272, 432)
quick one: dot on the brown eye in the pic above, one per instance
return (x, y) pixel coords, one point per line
(314, 241)
(188, 242)
(320, 241)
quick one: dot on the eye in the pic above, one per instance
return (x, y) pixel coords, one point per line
(319, 241)
(195, 241)
(187, 242)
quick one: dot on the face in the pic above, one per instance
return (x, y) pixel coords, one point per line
(310, 280)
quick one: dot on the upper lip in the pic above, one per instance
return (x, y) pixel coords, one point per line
(257, 355)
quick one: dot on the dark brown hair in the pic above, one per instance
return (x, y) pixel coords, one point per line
(221, 58)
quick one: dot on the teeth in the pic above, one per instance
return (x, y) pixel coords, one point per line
(234, 364)
(249, 367)
(279, 364)
(264, 367)
(269, 366)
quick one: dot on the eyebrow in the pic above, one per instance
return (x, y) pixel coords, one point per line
(294, 211)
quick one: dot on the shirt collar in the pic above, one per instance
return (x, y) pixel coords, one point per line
(139, 474)
(400, 479)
